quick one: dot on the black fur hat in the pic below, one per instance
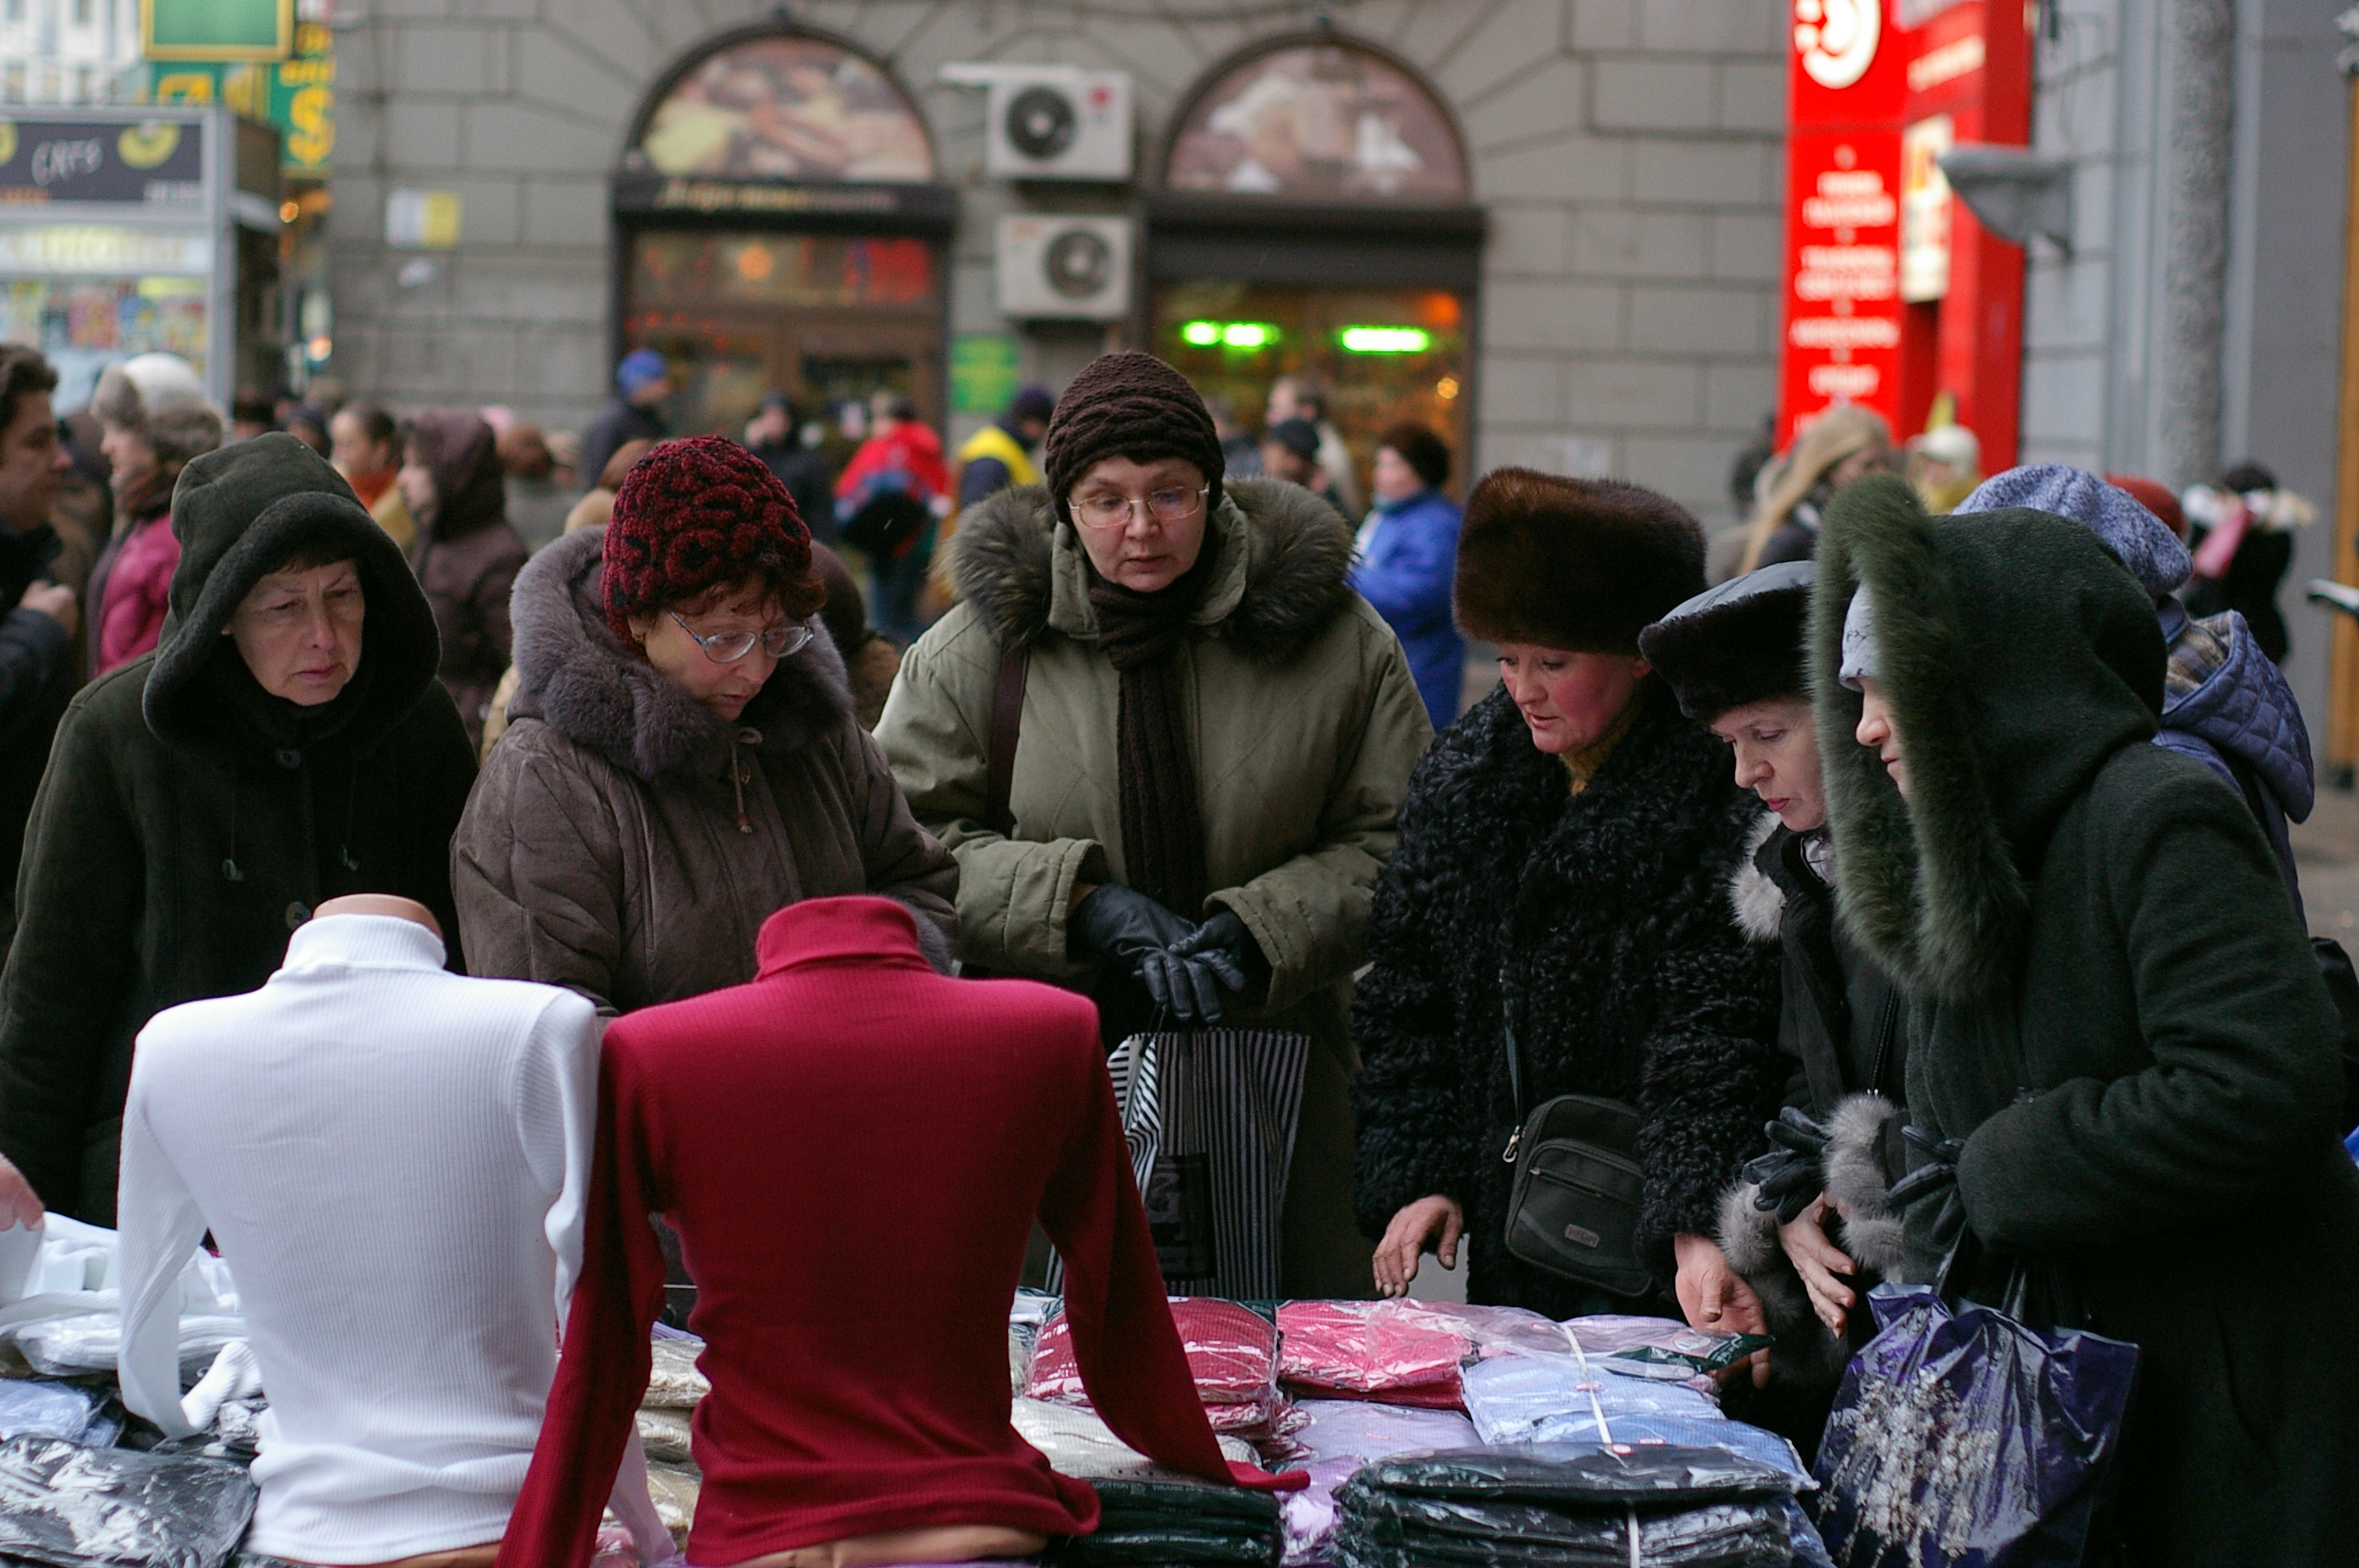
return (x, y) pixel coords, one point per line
(1740, 642)
(1577, 564)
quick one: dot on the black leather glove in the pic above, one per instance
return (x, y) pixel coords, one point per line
(1937, 1174)
(1220, 954)
(1791, 1176)
(1130, 928)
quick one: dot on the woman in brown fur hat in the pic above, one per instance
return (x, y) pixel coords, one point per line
(1559, 893)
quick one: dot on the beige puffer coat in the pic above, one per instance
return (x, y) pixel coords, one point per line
(600, 848)
(1305, 726)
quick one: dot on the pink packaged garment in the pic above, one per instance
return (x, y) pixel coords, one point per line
(1232, 1356)
(1398, 1352)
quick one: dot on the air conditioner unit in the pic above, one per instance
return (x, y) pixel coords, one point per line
(1068, 268)
(1052, 121)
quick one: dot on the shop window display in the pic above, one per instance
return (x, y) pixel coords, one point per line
(1319, 122)
(1382, 355)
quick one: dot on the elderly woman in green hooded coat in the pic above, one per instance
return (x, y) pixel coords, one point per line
(2129, 1072)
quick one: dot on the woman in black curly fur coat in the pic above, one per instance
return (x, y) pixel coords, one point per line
(1564, 857)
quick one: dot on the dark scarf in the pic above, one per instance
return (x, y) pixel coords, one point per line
(1141, 635)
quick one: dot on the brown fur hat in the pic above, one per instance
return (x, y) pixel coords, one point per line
(1577, 564)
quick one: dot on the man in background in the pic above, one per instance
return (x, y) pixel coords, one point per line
(775, 435)
(38, 670)
(1289, 450)
(1000, 454)
(642, 382)
(1296, 397)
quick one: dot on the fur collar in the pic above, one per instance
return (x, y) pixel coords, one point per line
(573, 676)
(2019, 657)
(1758, 902)
(1928, 886)
(1278, 579)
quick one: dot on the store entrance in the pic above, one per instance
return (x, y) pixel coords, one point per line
(1383, 354)
(825, 319)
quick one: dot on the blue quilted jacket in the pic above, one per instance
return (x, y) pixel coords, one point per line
(2225, 703)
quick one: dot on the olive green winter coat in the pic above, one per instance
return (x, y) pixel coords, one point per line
(188, 822)
(1305, 723)
(2123, 1020)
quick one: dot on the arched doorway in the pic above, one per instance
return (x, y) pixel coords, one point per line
(1314, 218)
(779, 225)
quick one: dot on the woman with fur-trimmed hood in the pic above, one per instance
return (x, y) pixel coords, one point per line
(1562, 884)
(1809, 1225)
(681, 758)
(2129, 1072)
(1216, 732)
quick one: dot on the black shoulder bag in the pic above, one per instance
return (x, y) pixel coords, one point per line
(1573, 1210)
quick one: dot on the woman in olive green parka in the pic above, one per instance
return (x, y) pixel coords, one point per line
(2123, 1028)
(190, 819)
(1302, 723)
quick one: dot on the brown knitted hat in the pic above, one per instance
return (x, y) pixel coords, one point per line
(1132, 405)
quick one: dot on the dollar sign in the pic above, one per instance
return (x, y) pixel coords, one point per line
(311, 110)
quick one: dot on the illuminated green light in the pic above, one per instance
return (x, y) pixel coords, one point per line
(1248, 334)
(1386, 340)
(1200, 334)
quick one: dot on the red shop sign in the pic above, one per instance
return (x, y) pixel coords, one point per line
(1842, 312)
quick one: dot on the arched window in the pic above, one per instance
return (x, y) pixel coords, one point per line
(785, 107)
(1317, 120)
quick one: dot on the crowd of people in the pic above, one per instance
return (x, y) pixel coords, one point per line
(1916, 903)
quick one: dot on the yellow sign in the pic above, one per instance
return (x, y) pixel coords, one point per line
(423, 219)
(145, 146)
(297, 96)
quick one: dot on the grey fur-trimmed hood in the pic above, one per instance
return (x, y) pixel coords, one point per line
(1758, 902)
(575, 677)
(1278, 579)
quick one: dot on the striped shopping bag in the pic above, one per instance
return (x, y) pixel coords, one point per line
(1210, 1117)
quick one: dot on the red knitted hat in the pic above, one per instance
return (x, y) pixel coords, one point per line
(698, 515)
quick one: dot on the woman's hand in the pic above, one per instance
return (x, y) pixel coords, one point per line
(1819, 1261)
(1716, 1299)
(19, 1204)
(1409, 1236)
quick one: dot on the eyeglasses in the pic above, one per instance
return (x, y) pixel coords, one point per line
(1174, 505)
(728, 647)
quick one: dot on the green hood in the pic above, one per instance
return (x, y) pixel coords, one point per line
(240, 511)
(2019, 655)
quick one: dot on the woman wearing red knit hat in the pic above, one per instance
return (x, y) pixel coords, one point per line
(682, 757)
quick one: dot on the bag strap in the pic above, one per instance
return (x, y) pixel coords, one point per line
(1515, 1068)
(1006, 730)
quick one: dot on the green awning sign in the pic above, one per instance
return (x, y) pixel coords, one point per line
(216, 29)
(296, 95)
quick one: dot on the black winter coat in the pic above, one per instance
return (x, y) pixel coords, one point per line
(1600, 922)
(2123, 1022)
(189, 821)
(38, 672)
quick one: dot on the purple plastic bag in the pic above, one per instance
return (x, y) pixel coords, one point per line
(1964, 1440)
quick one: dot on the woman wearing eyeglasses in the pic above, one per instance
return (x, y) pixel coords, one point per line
(681, 758)
(1216, 733)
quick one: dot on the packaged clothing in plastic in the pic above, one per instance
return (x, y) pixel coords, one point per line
(1344, 1429)
(673, 1489)
(63, 1504)
(31, 1409)
(1527, 1398)
(1661, 1348)
(1231, 1355)
(1334, 1439)
(1964, 1437)
(1076, 1441)
(664, 1434)
(1404, 1352)
(673, 1382)
(1558, 1503)
(92, 1342)
(1177, 1523)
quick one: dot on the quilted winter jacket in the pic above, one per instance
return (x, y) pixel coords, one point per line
(601, 850)
(2226, 704)
(1304, 726)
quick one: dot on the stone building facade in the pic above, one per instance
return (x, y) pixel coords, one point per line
(1625, 153)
